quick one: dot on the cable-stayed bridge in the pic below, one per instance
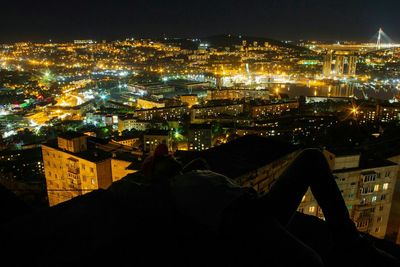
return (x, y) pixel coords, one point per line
(380, 41)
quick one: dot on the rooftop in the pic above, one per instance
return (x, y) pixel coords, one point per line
(91, 154)
(156, 132)
(242, 155)
(366, 164)
(200, 126)
(70, 135)
(128, 116)
(124, 138)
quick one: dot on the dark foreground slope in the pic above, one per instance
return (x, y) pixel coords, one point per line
(134, 225)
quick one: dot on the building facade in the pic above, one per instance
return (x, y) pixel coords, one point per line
(72, 170)
(199, 137)
(153, 138)
(167, 113)
(367, 191)
(199, 114)
(129, 122)
(259, 111)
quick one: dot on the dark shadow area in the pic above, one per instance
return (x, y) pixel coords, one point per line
(138, 224)
(135, 225)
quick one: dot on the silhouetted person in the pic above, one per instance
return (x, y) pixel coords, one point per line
(245, 218)
(160, 165)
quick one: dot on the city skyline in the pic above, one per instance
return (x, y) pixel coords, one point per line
(189, 133)
(325, 20)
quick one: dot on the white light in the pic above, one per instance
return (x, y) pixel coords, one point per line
(9, 133)
(123, 74)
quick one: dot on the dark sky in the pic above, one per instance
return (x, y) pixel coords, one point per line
(281, 19)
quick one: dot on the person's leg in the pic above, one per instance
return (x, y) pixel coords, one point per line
(196, 164)
(309, 169)
(246, 229)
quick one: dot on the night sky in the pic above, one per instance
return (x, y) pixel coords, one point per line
(116, 19)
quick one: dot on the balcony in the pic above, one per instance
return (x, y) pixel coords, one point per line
(73, 166)
(74, 182)
(74, 170)
(73, 176)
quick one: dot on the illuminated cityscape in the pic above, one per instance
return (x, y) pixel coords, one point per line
(85, 112)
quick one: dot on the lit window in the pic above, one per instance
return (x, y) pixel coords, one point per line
(311, 209)
(385, 186)
(376, 188)
(374, 199)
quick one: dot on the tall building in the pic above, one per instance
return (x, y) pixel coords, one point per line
(339, 65)
(327, 65)
(389, 112)
(340, 61)
(366, 113)
(199, 137)
(71, 169)
(352, 65)
(367, 189)
(393, 230)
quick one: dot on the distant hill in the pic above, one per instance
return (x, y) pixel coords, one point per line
(228, 40)
(231, 40)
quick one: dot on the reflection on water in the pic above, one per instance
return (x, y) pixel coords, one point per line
(339, 90)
